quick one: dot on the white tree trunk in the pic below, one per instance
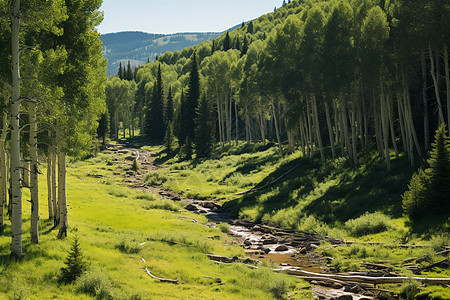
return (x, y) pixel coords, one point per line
(16, 186)
(354, 138)
(385, 127)
(330, 130)
(54, 186)
(51, 216)
(62, 199)
(436, 85)
(276, 129)
(34, 171)
(317, 126)
(402, 122)
(391, 124)
(426, 122)
(3, 172)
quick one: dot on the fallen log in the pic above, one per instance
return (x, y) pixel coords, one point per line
(365, 279)
(158, 278)
(226, 259)
(442, 264)
(376, 266)
(161, 279)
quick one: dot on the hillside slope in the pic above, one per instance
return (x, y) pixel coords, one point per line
(137, 47)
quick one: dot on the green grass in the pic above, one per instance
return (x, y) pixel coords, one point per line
(117, 227)
(330, 197)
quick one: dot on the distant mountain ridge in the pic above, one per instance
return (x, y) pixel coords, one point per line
(138, 47)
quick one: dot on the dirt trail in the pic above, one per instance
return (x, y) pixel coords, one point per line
(284, 248)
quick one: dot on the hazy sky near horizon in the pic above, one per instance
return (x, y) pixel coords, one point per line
(173, 16)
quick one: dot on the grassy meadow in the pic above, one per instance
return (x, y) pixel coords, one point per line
(117, 227)
(331, 198)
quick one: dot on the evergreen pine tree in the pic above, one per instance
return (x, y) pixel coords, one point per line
(169, 138)
(186, 149)
(245, 45)
(284, 3)
(129, 72)
(439, 171)
(237, 44)
(226, 42)
(75, 263)
(213, 47)
(242, 25)
(428, 190)
(179, 128)
(156, 129)
(120, 73)
(168, 113)
(203, 129)
(193, 95)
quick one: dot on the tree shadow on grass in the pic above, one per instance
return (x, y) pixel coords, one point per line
(357, 190)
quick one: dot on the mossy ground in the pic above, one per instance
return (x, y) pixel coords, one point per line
(117, 227)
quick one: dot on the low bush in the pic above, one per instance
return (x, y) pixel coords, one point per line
(224, 227)
(164, 205)
(155, 178)
(117, 191)
(97, 284)
(128, 247)
(368, 224)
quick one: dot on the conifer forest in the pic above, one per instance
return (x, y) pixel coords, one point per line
(304, 154)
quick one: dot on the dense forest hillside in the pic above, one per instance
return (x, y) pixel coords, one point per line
(335, 79)
(139, 47)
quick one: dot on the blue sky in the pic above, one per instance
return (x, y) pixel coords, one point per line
(172, 16)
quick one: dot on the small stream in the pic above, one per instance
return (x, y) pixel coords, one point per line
(279, 247)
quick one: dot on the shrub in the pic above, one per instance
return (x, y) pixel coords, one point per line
(415, 199)
(164, 205)
(128, 247)
(75, 263)
(409, 289)
(116, 191)
(428, 190)
(368, 224)
(96, 284)
(224, 227)
(135, 166)
(155, 178)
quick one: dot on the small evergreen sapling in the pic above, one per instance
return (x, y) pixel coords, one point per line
(135, 166)
(75, 263)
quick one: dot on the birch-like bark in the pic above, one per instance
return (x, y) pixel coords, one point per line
(330, 130)
(436, 84)
(317, 126)
(276, 129)
(385, 127)
(62, 199)
(51, 216)
(346, 131)
(16, 185)
(3, 172)
(391, 123)
(219, 119)
(401, 122)
(34, 171)
(55, 200)
(261, 124)
(354, 139)
(426, 122)
(336, 121)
